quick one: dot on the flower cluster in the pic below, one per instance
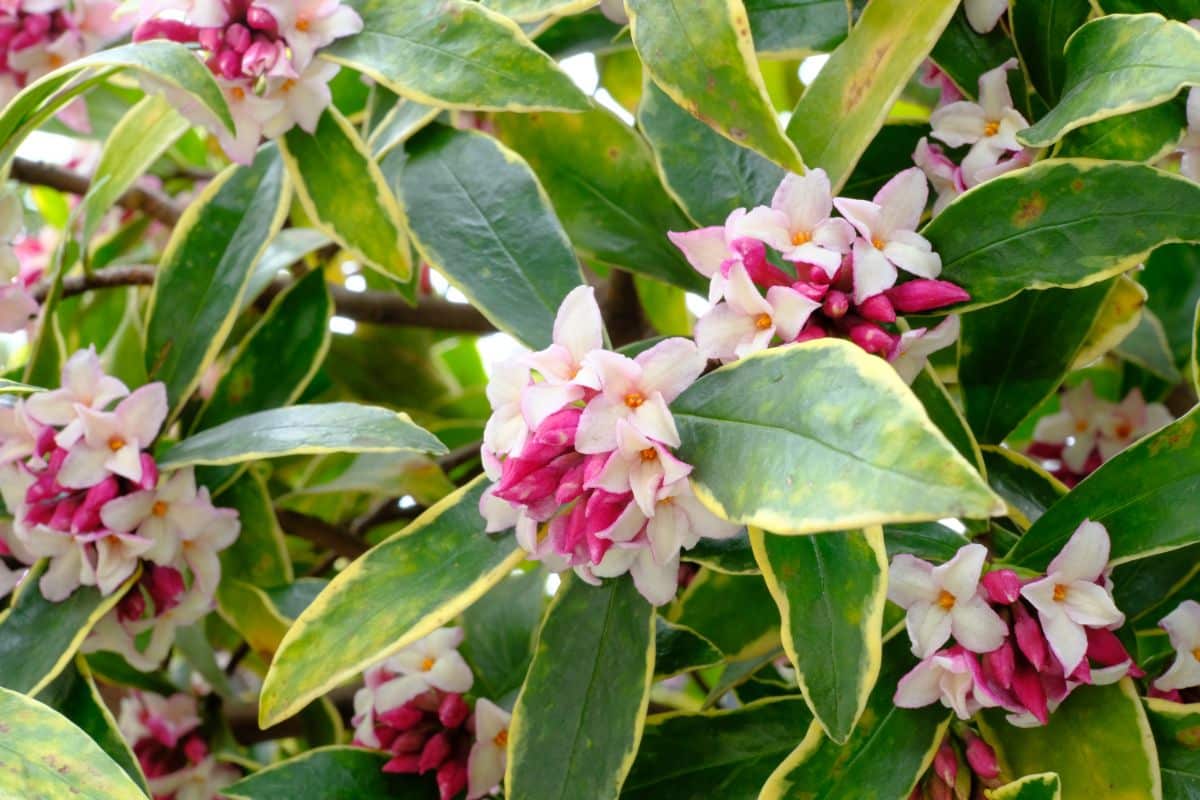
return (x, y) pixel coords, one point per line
(585, 450)
(989, 127)
(964, 766)
(173, 752)
(792, 272)
(1020, 645)
(1088, 430)
(85, 494)
(39, 36)
(262, 53)
(412, 706)
(18, 273)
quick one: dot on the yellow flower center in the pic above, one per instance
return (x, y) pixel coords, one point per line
(992, 128)
(649, 454)
(878, 242)
(116, 443)
(427, 664)
(803, 237)
(159, 509)
(1060, 592)
(634, 399)
(763, 321)
(1196, 653)
(303, 24)
(945, 600)
(1123, 429)
(1081, 426)
(501, 739)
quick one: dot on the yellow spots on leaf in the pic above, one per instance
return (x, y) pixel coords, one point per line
(1177, 437)
(1029, 209)
(1189, 737)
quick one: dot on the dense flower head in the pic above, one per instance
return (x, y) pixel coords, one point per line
(579, 447)
(1088, 430)
(85, 494)
(262, 53)
(412, 705)
(791, 272)
(174, 753)
(1019, 644)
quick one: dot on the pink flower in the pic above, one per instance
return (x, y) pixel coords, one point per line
(432, 662)
(303, 99)
(489, 754)
(84, 383)
(1189, 146)
(1076, 426)
(944, 174)
(578, 331)
(1124, 424)
(951, 677)
(309, 25)
(984, 14)
(746, 322)
(798, 223)
(1183, 628)
(914, 347)
(111, 442)
(989, 126)
(639, 465)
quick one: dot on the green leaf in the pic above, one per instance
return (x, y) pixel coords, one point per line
(38, 638)
(888, 751)
(1174, 9)
(250, 611)
(831, 589)
(1116, 65)
(931, 541)
(205, 270)
(297, 323)
(846, 105)
(193, 646)
(701, 54)
(1174, 726)
(1172, 281)
(708, 175)
(964, 55)
(1116, 760)
(731, 556)
(678, 648)
(499, 631)
(406, 118)
(944, 412)
(74, 695)
(46, 357)
(259, 555)
(704, 607)
(1013, 355)
(16, 387)
(454, 54)
(303, 430)
(888, 153)
(409, 585)
(1041, 31)
(1008, 234)
(160, 61)
(578, 720)
(726, 754)
(1116, 319)
(1145, 586)
(142, 135)
(331, 773)
(795, 28)
(834, 437)
(1027, 488)
(1043, 786)
(600, 176)
(532, 10)
(1147, 347)
(1146, 135)
(1160, 515)
(45, 755)
(480, 218)
(344, 193)
(289, 246)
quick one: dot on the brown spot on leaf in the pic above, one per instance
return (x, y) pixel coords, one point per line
(865, 76)
(614, 153)
(1176, 438)
(1077, 185)
(737, 133)
(1189, 737)
(1029, 209)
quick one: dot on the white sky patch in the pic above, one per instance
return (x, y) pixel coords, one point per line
(552, 583)
(954, 525)
(495, 349)
(582, 69)
(356, 283)
(343, 325)
(811, 67)
(48, 147)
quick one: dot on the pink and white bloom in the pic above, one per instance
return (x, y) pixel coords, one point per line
(946, 600)
(12, 221)
(84, 383)
(915, 347)
(798, 222)
(639, 465)
(637, 390)
(944, 174)
(165, 516)
(1129, 421)
(303, 99)
(989, 126)
(681, 521)
(746, 322)
(952, 677)
(506, 431)
(984, 14)
(489, 754)
(432, 662)
(887, 225)
(1189, 145)
(309, 25)
(1076, 426)
(578, 331)
(1072, 596)
(1183, 628)
(112, 441)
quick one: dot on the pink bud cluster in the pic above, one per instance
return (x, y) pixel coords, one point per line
(989, 127)
(964, 766)
(263, 55)
(1020, 644)
(791, 272)
(1089, 430)
(39, 36)
(412, 706)
(580, 448)
(172, 750)
(85, 494)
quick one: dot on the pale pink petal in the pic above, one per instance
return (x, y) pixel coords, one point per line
(1084, 556)
(873, 272)
(910, 581)
(485, 768)
(767, 225)
(1066, 638)
(984, 14)
(618, 375)
(994, 97)
(578, 326)
(743, 295)
(960, 575)
(1054, 428)
(902, 201)
(141, 414)
(805, 199)
(721, 331)
(597, 425)
(1183, 625)
(976, 626)
(670, 366)
(399, 691)
(1089, 604)
(705, 249)
(1075, 455)
(791, 310)
(958, 123)
(84, 467)
(920, 687)
(913, 254)
(451, 674)
(864, 215)
(654, 419)
(540, 400)
(125, 514)
(928, 627)
(656, 582)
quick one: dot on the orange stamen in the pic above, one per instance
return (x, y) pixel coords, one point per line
(1060, 592)
(945, 600)
(763, 321)
(634, 399)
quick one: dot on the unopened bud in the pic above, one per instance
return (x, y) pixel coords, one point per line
(877, 309)
(924, 295)
(1002, 586)
(982, 757)
(836, 304)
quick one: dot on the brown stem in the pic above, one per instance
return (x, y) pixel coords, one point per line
(321, 533)
(150, 202)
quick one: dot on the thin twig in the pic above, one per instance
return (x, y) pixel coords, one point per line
(150, 202)
(321, 533)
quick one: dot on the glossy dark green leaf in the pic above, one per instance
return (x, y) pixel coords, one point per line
(455, 54)
(964, 55)
(1160, 515)
(726, 754)
(701, 54)
(1119, 761)
(678, 649)
(308, 429)
(888, 751)
(1013, 355)
(1145, 135)
(289, 246)
(1043, 786)
(846, 105)
(481, 219)
(1175, 9)
(704, 607)
(888, 153)
(44, 755)
(331, 773)
(1116, 65)
(1172, 281)
(205, 270)
(794, 28)
(404, 588)
(1147, 347)
(1174, 726)
(406, 118)
(532, 10)
(38, 638)
(835, 437)
(499, 632)
(1041, 31)
(708, 174)
(1150, 587)
(931, 541)
(259, 555)
(831, 589)
(732, 555)
(578, 720)
(600, 176)
(1027, 488)
(944, 412)
(1011, 233)
(345, 194)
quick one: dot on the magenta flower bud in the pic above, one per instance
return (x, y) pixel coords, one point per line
(149, 473)
(45, 441)
(170, 29)
(132, 606)
(238, 38)
(836, 304)
(754, 257)
(101, 493)
(451, 779)
(1044, 450)
(1082, 672)
(924, 295)
(86, 519)
(872, 338)
(1002, 586)
(228, 64)
(453, 711)
(262, 20)
(1106, 650)
(428, 701)
(877, 309)
(195, 749)
(166, 587)
(571, 485)
(402, 717)
(436, 751)
(812, 290)
(811, 330)
(410, 741)
(209, 38)
(982, 758)
(407, 764)
(64, 510)
(260, 58)
(1030, 693)
(937, 789)
(1030, 639)
(556, 433)
(999, 666)
(945, 763)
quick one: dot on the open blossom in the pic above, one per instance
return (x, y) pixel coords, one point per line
(990, 126)
(1183, 628)
(952, 677)
(799, 223)
(984, 14)
(489, 754)
(17, 304)
(746, 322)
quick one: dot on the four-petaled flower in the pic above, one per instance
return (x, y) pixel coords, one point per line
(989, 126)
(1183, 628)
(952, 677)
(798, 222)
(489, 754)
(112, 441)
(432, 662)
(746, 322)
